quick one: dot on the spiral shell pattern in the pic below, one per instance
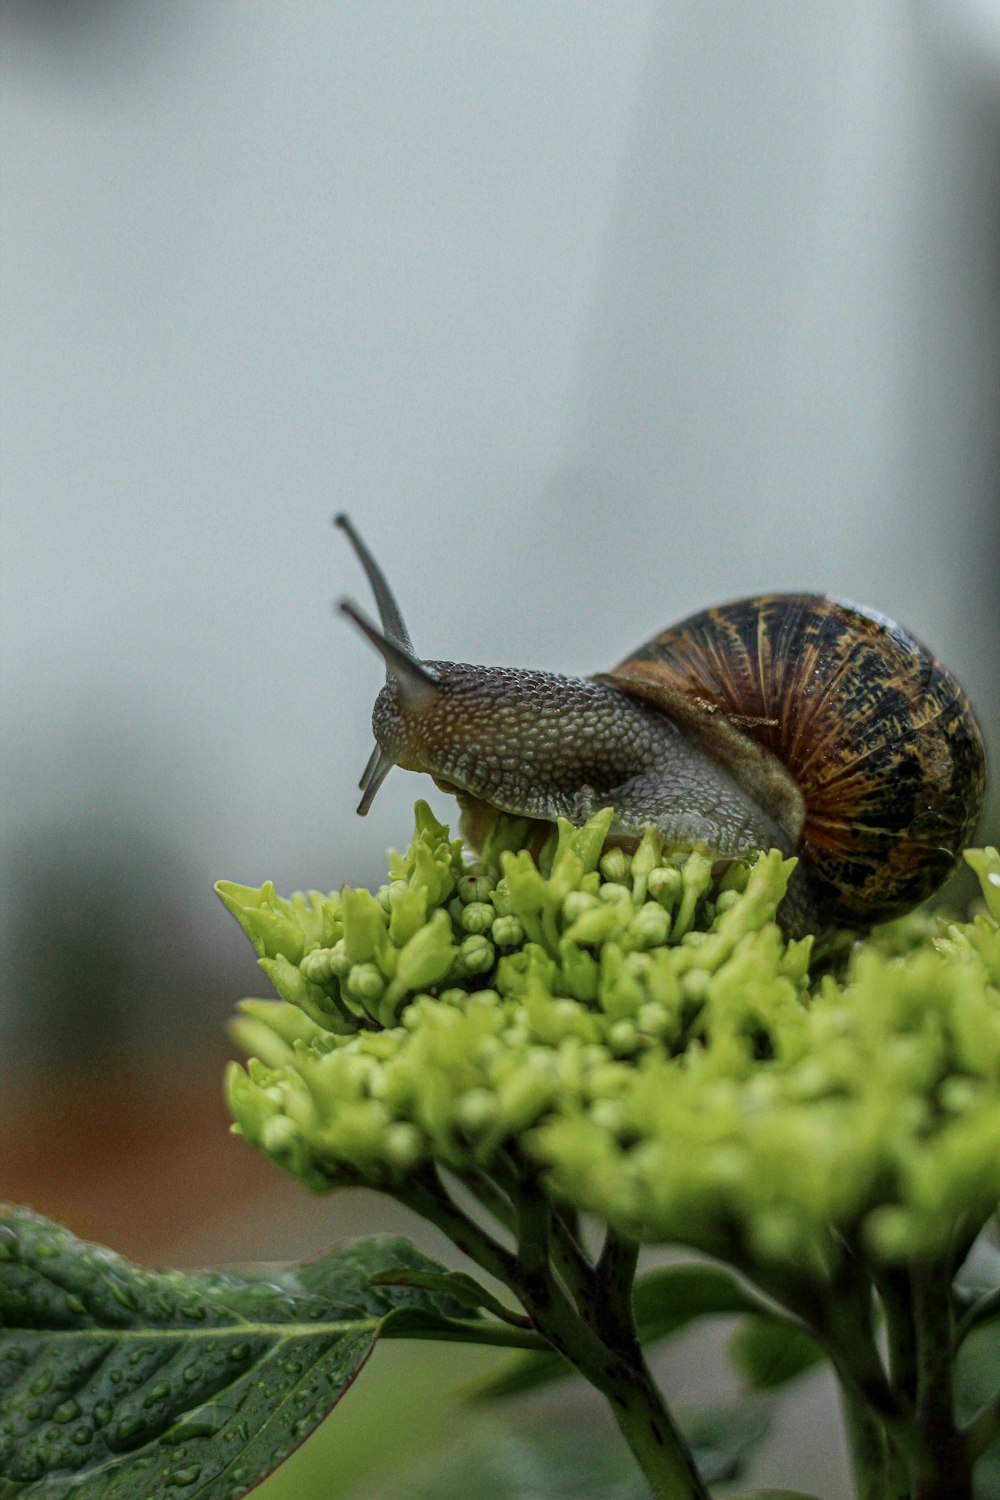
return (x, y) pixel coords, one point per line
(878, 736)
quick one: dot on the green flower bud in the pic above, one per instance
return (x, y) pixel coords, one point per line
(323, 965)
(664, 884)
(402, 1147)
(579, 970)
(476, 954)
(507, 932)
(366, 983)
(478, 916)
(279, 1137)
(615, 865)
(593, 927)
(500, 898)
(364, 925)
(651, 1041)
(649, 927)
(623, 1038)
(653, 1019)
(474, 888)
(268, 922)
(477, 1110)
(407, 912)
(427, 956)
(645, 859)
(576, 903)
(986, 863)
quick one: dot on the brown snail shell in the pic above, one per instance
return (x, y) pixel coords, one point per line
(879, 739)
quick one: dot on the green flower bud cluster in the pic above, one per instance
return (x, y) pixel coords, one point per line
(636, 1029)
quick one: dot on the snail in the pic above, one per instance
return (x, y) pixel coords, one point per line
(800, 722)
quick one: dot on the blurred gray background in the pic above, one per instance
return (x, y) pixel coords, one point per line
(590, 314)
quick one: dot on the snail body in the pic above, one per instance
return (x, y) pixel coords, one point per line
(792, 721)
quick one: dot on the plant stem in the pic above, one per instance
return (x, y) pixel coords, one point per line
(657, 1446)
(867, 1443)
(942, 1468)
(624, 1380)
(894, 1292)
(609, 1358)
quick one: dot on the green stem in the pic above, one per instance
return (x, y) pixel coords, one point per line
(894, 1292)
(486, 1192)
(612, 1362)
(623, 1378)
(942, 1468)
(429, 1198)
(658, 1448)
(868, 1448)
(615, 1277)
(567, 1254)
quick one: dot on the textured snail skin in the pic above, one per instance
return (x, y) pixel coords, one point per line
(545, 746)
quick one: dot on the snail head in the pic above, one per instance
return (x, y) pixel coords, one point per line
(426, 716)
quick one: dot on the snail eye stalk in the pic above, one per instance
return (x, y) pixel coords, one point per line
(416, 685)
(378, 767)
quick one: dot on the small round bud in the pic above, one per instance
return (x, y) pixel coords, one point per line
(664, 884)
(478, 916)
(474, 888)
(316, 966)
(402, 1145)
(576, 903)
(694, 984)
(482, 998)
(615, 864)
(278, 1135)
(608, 1115)
(476, 1110)
(453, 996)
(507, 932)
(612, 891)
(650, 925)
(653, 1019)
(323, 963)
(623, 1038)
(477, 954)
(365, 983)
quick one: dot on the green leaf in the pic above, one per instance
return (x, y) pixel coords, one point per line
(117, 1382)
(457, 1285)
(979, 1310)
(522, 1372)
(976, 1375)
(670, 1297)
(575, 1458)
(722, 1434)
(578, 1457)
(770, 1351)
